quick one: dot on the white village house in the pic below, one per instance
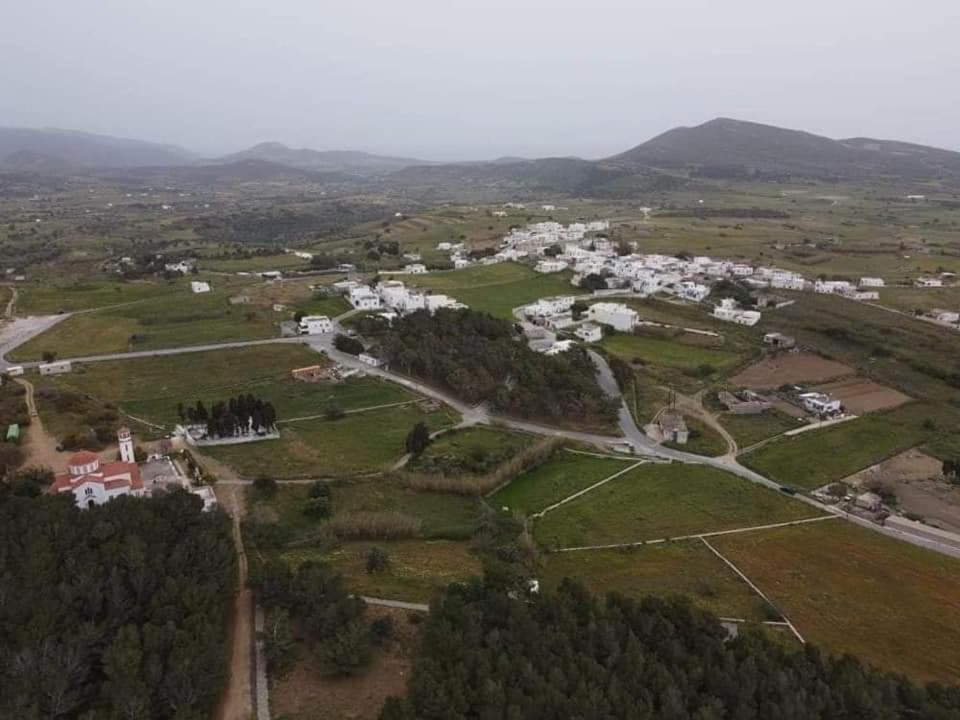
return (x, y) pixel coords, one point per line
(616, 315)
(315, 325)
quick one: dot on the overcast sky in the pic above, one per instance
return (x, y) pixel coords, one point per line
(452, 79)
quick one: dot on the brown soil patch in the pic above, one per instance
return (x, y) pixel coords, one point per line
(305, 694)
(789, 368)
(862, 396)
(915, 478)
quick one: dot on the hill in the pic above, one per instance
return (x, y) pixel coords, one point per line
(348, 161)
(735, 148)
(51, 149)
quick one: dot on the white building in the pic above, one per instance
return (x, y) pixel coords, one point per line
(198, 286)
(371, 360)
(819, 403)
(55, 368)
(415, 269)
(871, 282)
(550, 266)
(94, 483)
(315, 325)
(928, 282)
(182, 267)
(832, 287)
(695, 292)
(588, 332)
(945, 316)
(560, 346)
(729, 311)
(363, 298)
(435, 302)
(616, 315)
(549, 306)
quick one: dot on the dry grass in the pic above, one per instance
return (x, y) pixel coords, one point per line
(373, 526)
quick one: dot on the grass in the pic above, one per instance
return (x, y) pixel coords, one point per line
(473, 450)
(703, 440)
(675, 354)
(365, 442)
(418, 568)
(561, 476)
(748, 430)
(171, 320)
(329, 306)
(51, 298)
(910, 299)
(849, 589)
(685, 568)
(658, 501)
(150, 388)
(496, 289)
(818, 457)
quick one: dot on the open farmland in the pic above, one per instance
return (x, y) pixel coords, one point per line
(663, 501)
(561, 476)
(685, 567)
(748, 430)
(813, 459)
(495, 289)
(51, 298)
(171, 320)
(849, 589)
(473, 450)
(358, 443)
(789, 369)
(862, 396)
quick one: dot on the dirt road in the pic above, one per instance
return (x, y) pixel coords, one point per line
(40, 448)
(237, 702)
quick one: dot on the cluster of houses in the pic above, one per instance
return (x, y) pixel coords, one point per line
(393, 296)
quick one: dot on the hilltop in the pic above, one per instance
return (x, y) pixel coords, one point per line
(321, 161)
(47, 149)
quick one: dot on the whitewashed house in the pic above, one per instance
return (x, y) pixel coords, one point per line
(729, 311)
(415, 269)
(315, 325)
(819, 403)
(550, 266)
(60, 367)
(549, 306)
(198, 286)
(363, 298)
(693, 291)
(928, 282)
(616, 315)
(588, 332)
(832, 287)
(871, 282)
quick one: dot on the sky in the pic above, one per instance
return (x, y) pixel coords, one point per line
(459, 80)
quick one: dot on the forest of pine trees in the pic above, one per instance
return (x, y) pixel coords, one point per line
(479, 358)
(487, 654)
(117, 611)
(240, 415)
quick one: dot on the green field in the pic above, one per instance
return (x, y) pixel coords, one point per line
(849, 589)
(910, 299)
(171, 320)
(682, 353)
(151, 388)
(364, 442)
(329, 306)
(417, 570)
(473, 450)
(51, 298)
(496, 289)
(748, 430)
(685, 567)
(818, 457)
(658, 501)
(561, 476)
(703, 440)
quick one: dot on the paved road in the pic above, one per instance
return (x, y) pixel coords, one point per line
(17, 331)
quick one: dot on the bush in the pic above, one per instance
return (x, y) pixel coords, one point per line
(317, 508)
(319, 489)
(333, 412)
(346, 344)
(348, 651)
(373, 526)
(381, 630)
(265, 486)
(377, 561)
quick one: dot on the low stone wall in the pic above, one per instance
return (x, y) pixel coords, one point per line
(236, 440)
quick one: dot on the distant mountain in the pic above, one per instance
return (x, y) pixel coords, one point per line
(732, 148)
(233, 173)
(50, 149)
(348, 161)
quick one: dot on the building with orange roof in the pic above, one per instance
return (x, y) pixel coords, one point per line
(94, 482)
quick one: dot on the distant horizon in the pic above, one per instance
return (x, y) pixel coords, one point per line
(216, 154)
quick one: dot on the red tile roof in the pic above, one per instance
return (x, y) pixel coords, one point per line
(110, 475)
(84, 457)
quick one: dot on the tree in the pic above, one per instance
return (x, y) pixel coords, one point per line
(593, 282)
(348, 651)
(279, 645)
(418, 439)
(48, 356)
(377, 560)
(333, 412)
(347, 344)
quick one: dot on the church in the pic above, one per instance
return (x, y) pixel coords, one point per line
(93, 482)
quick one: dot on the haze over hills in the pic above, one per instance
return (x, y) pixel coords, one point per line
(48, 149)
(321, 161)
(721, 148)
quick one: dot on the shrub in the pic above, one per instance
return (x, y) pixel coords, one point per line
(381, 630)
(377, 560)
(265, 486)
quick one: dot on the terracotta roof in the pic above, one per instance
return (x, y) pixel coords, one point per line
(110, 475)
(84, 457)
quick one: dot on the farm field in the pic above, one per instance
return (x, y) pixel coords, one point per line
(748, 430)
(863, 396)
(473, 450)
(171, 320)
(51, 298)
(910, 299)
(685, 567)
(815, 458)
(658, 501)
(329, 306)
(151, 388)
(789, 369)
(260, 263)
(322, 448)
(849, 589)
(561, 476)
(495, 289)
(418, 568)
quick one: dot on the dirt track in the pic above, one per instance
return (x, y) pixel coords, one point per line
(40, 448)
